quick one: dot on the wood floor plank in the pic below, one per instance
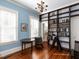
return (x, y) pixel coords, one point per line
(45, 53)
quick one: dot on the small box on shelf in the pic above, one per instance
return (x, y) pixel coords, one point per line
(53, 13)
(64, 20)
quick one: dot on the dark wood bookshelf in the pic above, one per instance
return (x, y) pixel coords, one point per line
(44, 17)
(74, 15)
(74, 10)
(63, 13)
(45, 20)
(53, 15)
(64, 20)
(53, 19)
(64, 41)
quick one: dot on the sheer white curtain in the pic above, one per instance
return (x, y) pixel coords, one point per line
(34, 22)
(8, 26)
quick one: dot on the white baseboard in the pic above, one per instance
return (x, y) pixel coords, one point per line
(10, 51)
(13, 50)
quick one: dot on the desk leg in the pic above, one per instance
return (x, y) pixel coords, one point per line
(22, 47)
(31, 46)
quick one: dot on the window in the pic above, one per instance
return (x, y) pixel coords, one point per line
(8, 25)
(34, 22)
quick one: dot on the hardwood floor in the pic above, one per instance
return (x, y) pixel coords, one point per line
(45, 53)
(0, 58)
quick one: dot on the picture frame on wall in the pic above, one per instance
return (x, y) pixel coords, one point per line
(23, 27)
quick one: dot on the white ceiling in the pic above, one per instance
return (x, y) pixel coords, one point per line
(28, 3)
(52, 4)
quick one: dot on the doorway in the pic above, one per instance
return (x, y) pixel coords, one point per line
(44, 30)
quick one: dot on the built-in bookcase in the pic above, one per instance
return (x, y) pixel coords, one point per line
(59, 23)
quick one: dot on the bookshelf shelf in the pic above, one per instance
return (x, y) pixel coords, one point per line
(60, 21)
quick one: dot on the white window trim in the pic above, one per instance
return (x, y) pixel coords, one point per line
(13, 11)
(32, 38)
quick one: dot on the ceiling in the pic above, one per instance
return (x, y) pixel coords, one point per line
(52, 4)
(27, 3)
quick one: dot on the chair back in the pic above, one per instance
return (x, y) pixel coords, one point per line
(38, 40)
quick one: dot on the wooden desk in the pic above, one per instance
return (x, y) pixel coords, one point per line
(26, 41)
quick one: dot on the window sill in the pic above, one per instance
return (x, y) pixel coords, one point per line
(8, 43)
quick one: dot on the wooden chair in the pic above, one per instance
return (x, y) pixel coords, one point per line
(38, 42)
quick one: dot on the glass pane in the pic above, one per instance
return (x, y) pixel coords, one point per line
(34, 27)
(8, 26)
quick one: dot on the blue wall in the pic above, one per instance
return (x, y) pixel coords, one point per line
(23, 16)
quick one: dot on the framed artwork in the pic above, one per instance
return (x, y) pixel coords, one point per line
(23, 27)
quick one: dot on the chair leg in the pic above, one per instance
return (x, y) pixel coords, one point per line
(39, 45)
